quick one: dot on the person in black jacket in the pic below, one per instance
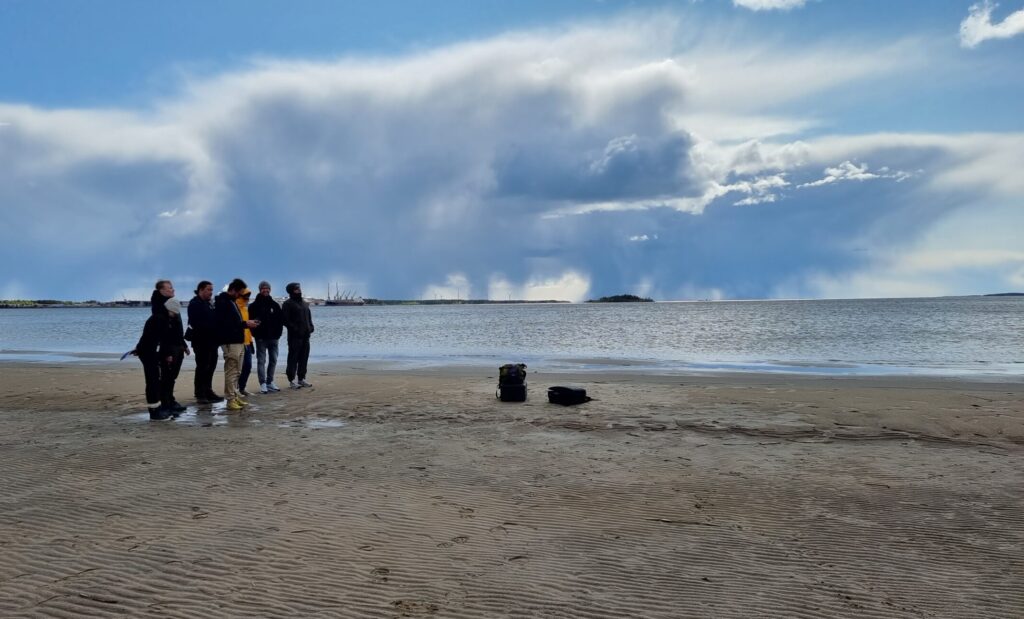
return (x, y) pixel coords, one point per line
(268, 312)
(161, 350)
(231, 336)
(299, 321)
(203, 323)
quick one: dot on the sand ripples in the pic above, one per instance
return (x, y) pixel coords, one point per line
(499, 514)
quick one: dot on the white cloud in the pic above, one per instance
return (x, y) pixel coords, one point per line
(569, 286)
(978, 27)
(430, 173)
(849, 171)
(923, 273)
(768, 5)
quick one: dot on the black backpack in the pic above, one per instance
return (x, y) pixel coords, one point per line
(512, 382)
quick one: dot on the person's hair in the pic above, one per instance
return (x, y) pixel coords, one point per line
(160, 283)
(264, 284)
(237, 284)
(202, 284)
(290, 288)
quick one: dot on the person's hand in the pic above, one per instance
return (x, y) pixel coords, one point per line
(252, 323)
(135, 353)
(170, 359)
(187, 351)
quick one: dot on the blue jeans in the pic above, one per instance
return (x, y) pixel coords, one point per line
(246, 368)
(266, 360)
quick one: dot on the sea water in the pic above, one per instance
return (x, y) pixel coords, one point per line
(945, 336)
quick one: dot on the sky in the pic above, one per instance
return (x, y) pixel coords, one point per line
(557, 149)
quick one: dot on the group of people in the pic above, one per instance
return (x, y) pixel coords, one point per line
(231, 324)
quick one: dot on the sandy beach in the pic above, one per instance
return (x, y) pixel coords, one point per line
(383, 493)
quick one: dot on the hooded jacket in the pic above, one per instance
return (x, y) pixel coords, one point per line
(297, 317)
(230, 326)
(266, 310)
(242, 301)
(203, 319)
(162, 334)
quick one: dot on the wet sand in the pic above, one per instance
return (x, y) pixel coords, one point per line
(415, 494)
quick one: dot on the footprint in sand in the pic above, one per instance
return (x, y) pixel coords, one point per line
(380, 574)
(466, 512)
(462, 539)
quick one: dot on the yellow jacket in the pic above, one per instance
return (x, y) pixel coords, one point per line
(242, 301)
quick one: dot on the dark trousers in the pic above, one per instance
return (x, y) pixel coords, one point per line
(160, 377)
(298, 357)
(246, 368)
(151, 368)
(168, 375)
(206, 365)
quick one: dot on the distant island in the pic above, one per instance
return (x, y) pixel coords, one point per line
(1006, 294)
(622, 298)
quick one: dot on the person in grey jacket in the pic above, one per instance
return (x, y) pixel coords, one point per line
(299, 322)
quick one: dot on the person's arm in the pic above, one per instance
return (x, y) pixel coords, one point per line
(147, 341)
(288, 317)
(256, 314)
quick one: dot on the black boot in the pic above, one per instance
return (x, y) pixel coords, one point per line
(213, 398)
(176, 407)
(159, 414)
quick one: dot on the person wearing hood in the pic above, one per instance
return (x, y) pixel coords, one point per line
(242, 301)
(161, 350)
(299, 321)
(202, 321)
(231, 328)
(265, 309)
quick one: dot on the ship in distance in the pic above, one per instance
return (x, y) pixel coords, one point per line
(342, 297)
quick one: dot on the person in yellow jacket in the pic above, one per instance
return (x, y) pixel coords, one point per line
(242, 301)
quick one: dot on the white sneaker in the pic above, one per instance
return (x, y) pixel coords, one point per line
(263, 388)
(294, 385)
(273, 386)
(305, 383)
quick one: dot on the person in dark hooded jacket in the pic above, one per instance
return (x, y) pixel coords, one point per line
(299, 321)
(203, 321)
(161, 350)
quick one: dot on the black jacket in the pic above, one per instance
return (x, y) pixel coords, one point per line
(163, 333)
(269, 313)
(230, 327)
(297, 318)
(203, 320)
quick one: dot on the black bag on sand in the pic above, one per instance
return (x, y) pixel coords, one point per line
(512, 393)
(567, 396)
(512, 382)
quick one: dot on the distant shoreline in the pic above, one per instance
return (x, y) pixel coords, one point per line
(318, 302)
(51, 304)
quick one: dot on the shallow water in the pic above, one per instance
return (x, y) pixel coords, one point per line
(218, 415)
(945, 336)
